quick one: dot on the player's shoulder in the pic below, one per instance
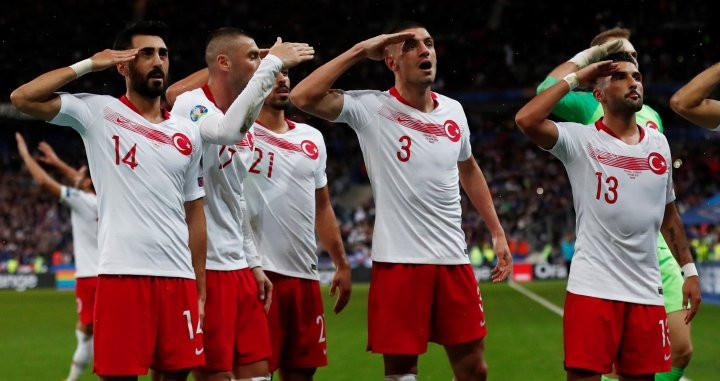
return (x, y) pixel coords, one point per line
(91, 98)
(309, 131)
(655, 134)
(445, 100)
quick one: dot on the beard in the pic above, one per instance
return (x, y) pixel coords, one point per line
(283, 105)
(146, 85)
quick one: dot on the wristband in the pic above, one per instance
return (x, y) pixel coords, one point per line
(689, 270)
(572, 80)
(83, 67)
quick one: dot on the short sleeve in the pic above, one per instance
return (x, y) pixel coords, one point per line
(465, 147)
(355, 111)
(320, 175)
(568, 146)
(193, 187)
(75, 112)
(78, 201)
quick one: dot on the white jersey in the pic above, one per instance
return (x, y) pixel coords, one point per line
(144, 173)
(620, 192)
(224, 169)
(84, 220)
(411, 158)
(280, 191)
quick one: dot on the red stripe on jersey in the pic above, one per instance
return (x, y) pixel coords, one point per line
(654, 162)
(306, 147)
(137, 128)
(407, 121)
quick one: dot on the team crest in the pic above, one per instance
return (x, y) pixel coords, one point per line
(310, 149)
(657, 163)
(198, 112)
(182, 144)
(452, 130)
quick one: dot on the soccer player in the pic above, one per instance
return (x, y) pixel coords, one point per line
(288, 200)
(416, 146)
(82, 202)
(622, 191)
(235, 331)
(582, 107)
(151, 235)
(692, 102)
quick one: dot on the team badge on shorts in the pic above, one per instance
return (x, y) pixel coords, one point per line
(198, 112)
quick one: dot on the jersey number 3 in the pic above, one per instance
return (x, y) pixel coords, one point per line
(129, 157)
(404, 153)
(612, 183)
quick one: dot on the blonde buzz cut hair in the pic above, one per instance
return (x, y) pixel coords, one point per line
(605, 36)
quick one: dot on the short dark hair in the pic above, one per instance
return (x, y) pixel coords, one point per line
(217, 41)
(404, 25)
(123, 40)
(605, 36)
(621, 57)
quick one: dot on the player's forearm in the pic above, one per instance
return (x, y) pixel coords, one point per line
(197, 241)
(535, 112)
(41, 176)
(69, 172)
(673, 231)
(231, 127)
(692, 102)
(313, 88)
(191, 82)
(475, 186)
(37, 97)
(329, 234)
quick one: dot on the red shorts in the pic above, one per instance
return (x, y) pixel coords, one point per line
(235, 330)
(297, 323)
(85, 298)
(599, 332)
(146, 322)
(411, 304)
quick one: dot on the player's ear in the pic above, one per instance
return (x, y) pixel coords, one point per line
(598, 93)
(122, 68)
(390, 61)
(223, 62)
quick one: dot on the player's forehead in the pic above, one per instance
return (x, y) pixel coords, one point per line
(245, 44)
(143, 41)
(421, 34)
(627, 67)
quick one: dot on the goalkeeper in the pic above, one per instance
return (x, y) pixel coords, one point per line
(582, 107)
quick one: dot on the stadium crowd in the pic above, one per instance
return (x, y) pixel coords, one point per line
(498, 66)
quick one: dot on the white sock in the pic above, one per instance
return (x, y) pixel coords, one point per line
(82, 356)
(401, 377)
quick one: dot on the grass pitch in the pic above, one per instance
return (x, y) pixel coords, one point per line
(524, 342)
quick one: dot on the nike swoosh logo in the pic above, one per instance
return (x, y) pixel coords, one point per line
(198, 352)
(482, 323)
(666, 357)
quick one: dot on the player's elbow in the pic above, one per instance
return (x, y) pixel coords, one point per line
(19, 99)
(677, 104)
(300, 99)
(524, 120)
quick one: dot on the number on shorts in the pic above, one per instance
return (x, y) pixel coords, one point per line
(186, 313)
(665, 330)
(320, 320)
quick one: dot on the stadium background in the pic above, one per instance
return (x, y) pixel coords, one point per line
(491, 55)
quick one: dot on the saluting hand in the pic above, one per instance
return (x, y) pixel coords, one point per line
(291, 53)
(109, 58)
(374, 48)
